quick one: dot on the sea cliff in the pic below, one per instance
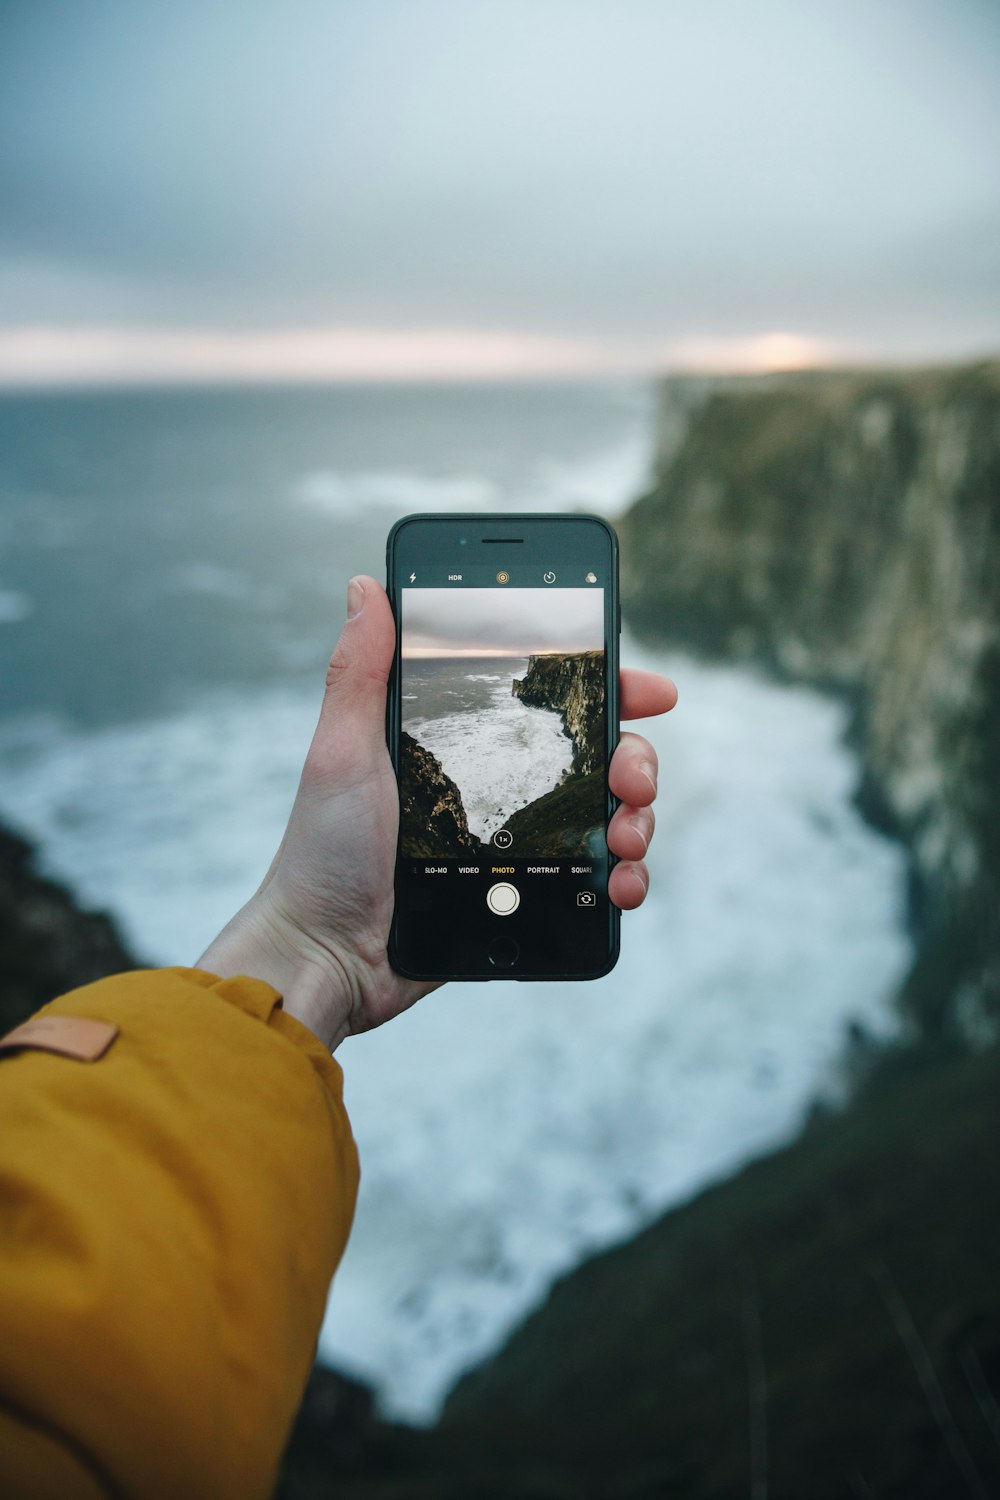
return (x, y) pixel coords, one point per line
(844, 530)
(573, 685)
(432, 817)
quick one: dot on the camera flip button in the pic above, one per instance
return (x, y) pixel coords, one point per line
(503, 899)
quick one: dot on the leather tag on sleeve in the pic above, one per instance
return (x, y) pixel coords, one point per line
(69, 1036)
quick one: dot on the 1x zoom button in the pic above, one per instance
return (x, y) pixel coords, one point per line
(503, 899)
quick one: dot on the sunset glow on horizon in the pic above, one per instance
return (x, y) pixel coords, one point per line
(488, 653)
(40, 357)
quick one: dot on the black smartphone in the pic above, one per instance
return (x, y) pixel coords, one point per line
(503, 716)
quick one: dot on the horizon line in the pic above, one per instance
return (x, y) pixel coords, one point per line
(36, 358)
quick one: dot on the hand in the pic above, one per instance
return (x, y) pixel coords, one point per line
(317, 927)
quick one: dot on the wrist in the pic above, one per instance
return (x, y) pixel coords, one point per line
(263, 943)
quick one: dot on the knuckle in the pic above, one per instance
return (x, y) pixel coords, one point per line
(337, 669)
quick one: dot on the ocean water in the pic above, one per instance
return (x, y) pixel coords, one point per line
(172, 572)
(500, 754)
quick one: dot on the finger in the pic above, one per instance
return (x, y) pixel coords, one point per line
(644, 694)
(630, 832)
(628, 884)
(633, 772)
(353, 714)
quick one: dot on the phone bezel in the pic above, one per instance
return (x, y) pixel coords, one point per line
(433, 534)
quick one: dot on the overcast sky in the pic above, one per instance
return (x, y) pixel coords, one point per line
(397, 186)
(501, 622)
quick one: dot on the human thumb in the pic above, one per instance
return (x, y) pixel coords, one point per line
(353, 713)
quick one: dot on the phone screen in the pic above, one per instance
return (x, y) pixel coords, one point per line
(503, 727)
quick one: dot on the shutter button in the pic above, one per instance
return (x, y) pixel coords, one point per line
(503, 899)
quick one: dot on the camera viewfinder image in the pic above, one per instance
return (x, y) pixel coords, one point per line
(503, 723)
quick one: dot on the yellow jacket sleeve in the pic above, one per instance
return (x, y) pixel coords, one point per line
(170, 1218)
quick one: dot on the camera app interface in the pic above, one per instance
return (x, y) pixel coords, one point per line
(502, 754)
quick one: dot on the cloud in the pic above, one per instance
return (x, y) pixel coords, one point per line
(501, 622)
(602, 180)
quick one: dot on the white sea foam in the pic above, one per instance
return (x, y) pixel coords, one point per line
(500, 758)
(604, 481)
(507, 1129)
(168, 823)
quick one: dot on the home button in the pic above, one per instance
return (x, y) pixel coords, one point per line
(504, 953)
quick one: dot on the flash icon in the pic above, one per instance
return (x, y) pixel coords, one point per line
(413, 577)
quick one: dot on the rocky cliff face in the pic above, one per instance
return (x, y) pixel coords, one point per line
(844, 529)
(573, 685)
(432, 818)
(566, 823)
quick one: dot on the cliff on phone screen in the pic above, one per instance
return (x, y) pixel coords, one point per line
(503, 722)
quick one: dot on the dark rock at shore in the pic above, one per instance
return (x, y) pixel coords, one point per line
(336, 1431)
(432, 818)
(571, 684)
(48, 944)
(844, 530)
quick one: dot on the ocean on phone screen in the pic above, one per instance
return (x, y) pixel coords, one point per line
(173, 568)
(500, 754)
